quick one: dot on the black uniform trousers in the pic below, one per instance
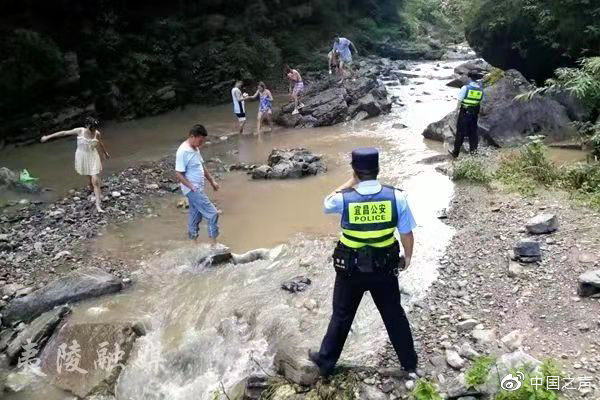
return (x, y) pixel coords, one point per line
(466, 126)
(347, 294)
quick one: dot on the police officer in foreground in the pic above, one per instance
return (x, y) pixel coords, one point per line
(469, 102)
(367, 258)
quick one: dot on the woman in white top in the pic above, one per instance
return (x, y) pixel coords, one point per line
(87, 158)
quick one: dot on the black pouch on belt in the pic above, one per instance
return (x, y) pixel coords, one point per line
(344, 259)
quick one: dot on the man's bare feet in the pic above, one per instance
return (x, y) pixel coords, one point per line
(99, 209)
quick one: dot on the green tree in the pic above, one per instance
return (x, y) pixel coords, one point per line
(534, 36)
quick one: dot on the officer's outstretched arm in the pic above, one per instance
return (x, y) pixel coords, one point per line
(408, 242)
(347, 185)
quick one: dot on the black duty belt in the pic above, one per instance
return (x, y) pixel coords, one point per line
(367, 259)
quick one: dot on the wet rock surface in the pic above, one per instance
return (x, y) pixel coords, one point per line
(328, 101)
(76, 286)
(37, 333)
(104, 349)
(290, 164)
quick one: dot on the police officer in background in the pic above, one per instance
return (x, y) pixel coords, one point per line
(469, 102)
(367, 258)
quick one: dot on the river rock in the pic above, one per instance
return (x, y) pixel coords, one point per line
(467, 325)
(543, 223)
(103, 349)
(290, 164)
(513, 341)
(515, 270)
(467, 351)
(454, 360)
(292, 362)
(250, 388)
(589, 283)
(76, 286)
(504, 122)
(36, 333)
(527, 251)
(297, 284)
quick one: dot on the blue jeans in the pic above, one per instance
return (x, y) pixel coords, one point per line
(201, 206)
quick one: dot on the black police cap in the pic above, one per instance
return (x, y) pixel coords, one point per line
(365, 159)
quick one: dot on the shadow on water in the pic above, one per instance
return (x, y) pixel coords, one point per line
(207, 326)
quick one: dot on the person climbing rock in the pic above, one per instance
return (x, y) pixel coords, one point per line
(469, 102)
(296, 87)
(367, 258)
(190, 173)
(342, 46)
(87, 158)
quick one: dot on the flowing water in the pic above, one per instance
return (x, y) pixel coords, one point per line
(209, 326)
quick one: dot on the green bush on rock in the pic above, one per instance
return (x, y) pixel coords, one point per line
(425, 390)
(471, 169)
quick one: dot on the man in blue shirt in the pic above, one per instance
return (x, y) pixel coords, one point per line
(367, 258)
(469, 102)
(341, 48)
(190, 173)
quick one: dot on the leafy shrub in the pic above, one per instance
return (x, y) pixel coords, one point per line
(32, 63)
(425, 390)
(527, 169)
(528, 391)
(477, 374)
(471, 169)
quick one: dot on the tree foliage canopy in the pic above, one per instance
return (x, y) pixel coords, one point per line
(534, 36)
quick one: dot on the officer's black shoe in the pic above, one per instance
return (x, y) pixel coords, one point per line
(452, 154)
(314, 357)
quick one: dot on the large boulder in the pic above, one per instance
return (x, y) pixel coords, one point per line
(34, 337)
(102, 349)
(328, 102)
(290, 164)
(292, 362)
(76, 286)
(505, 122)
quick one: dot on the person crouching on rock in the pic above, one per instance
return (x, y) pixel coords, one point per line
(265, 107)
(87, 158)
(296, 87)
(190, 173)
(469, 102)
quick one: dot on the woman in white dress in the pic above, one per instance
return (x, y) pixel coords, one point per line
(87, 158)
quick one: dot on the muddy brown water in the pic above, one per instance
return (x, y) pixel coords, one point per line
(224, 322)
